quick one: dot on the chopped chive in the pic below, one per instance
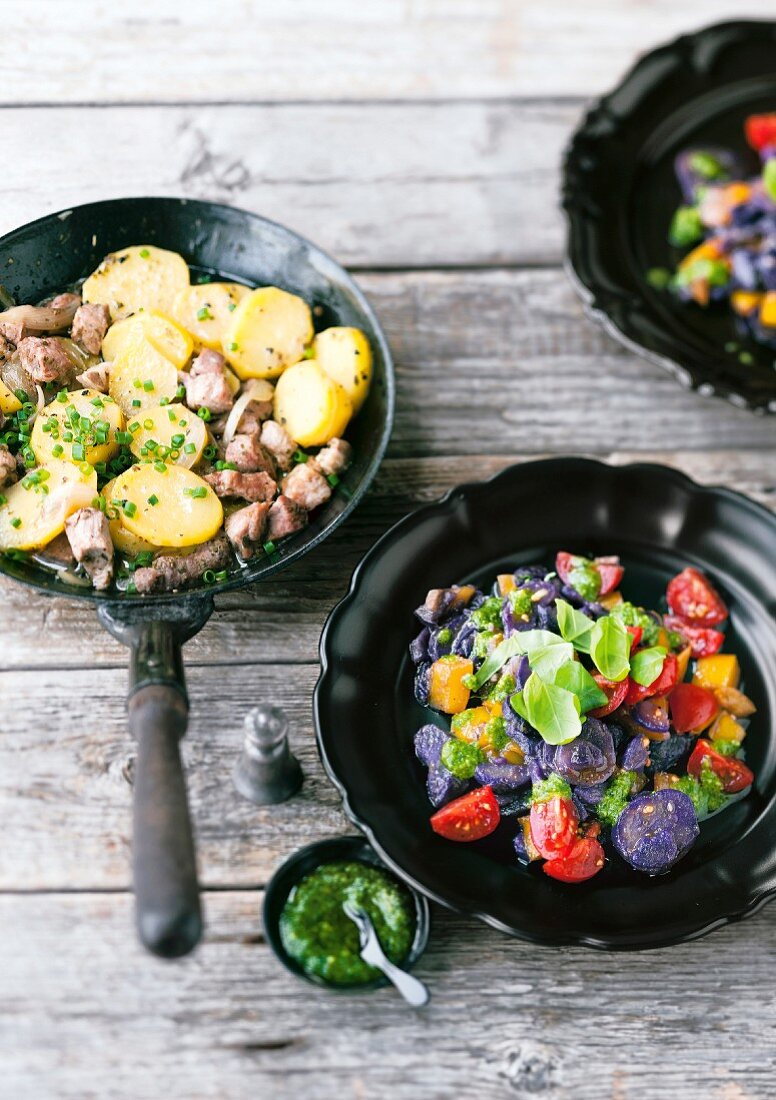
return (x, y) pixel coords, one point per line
(3, 499)
(148, 424)
(16, 522)
(171, 415)
(269, 547)
(136, 403)
(333, 480)
(160, 467)
(204, 314)
(153, 499)
(129, 508)
(180, 393)
(221, 575)
(144, 253)
(137, 384)
(178, 440)
(190, 448)
(209, 576)
(209, 452)
(131, 587)
(98, 402)
(198, 494)
(232, 307)
(124, 438)
(299, 456)
(204, 414)
(79, 453)
(233, 346)
(148, 385)
(62, 397)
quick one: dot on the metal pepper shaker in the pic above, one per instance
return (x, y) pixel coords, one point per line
(266, 772)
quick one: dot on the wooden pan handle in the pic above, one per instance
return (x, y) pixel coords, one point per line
(168, 915)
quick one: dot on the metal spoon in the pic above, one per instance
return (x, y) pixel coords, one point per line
(413, 991)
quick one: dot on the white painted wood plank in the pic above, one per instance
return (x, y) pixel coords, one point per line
(375, 184)
(85, 1015)
(282, 618)
(65, 756)
(162, 50)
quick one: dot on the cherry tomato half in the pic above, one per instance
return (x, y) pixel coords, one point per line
(693, 597)
(583, 860)
(564, 563)
(611, 573)
(637, 633)
(703, 640)
(760, 131)
(614, 692)
(470, 817)
(692, 708)
(734, 773)
(554, 826)
(661, 685)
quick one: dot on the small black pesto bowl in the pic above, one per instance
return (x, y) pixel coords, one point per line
(308, 859)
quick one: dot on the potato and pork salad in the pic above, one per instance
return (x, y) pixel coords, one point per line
(153, 426)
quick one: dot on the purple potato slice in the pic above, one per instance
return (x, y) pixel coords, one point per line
(589, 758)
(655, 830)
(501, 776)
(635, 755)
(442, 786)
(419, 646)
(429, 741)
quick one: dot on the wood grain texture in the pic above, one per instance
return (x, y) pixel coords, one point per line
(83, 1015)
(281, 619)
(67, 773)
(381, 185)
(162, 50)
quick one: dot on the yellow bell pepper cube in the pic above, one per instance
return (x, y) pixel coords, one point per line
(718, 670)
(726, 728)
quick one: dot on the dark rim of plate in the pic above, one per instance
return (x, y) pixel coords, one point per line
(599, 253)
(754, 894)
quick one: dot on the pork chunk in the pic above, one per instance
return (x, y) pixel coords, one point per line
(89, 537)
(278, 442)
(251, 487)
(254, 415)
(45, 359)
(89, 326)
(285, 518)
(306, 486)
(206, 384)
(169, 572)
(208, 362)
(334, 457)
(245, 529)
(248, 455)
(8, 470)
(96, 377)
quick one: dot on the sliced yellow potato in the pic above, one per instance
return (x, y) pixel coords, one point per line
(9, 402)
(267, 332)
(72, 430)
(35, 509)
(172, 507)
(206, 309)
(175, 431)
(310, 405)
(345, 355)
(165, 334)
(138, 277)
(123, 539)
(140, 373)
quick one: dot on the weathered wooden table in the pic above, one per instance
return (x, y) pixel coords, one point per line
(419, 142)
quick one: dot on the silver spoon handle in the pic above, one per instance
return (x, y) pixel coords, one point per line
(412, 990)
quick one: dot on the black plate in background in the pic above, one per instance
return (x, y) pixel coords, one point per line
(58, 250)
(619, 193)
(658, 521)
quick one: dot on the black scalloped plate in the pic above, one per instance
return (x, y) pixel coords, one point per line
(658, 521)
(619, 193)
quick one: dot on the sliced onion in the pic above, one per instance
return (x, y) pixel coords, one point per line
(16, 377)
(41, 400)
(43, 318)
(258, 389)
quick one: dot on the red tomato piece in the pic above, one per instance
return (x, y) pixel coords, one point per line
(693, 597)
(734, 773)
(611, 573)
(760, 131)
(615, 692)
(634, 692)
(564, 563)
(703, 641)
(470, 817)
(554, 826)
(583, 860)
(666, 681)
(692, 707)
(637, 633)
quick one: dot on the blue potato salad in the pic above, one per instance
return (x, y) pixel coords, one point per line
(726, 227)
(585, 724)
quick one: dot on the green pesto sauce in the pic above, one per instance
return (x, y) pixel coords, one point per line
(324, 941)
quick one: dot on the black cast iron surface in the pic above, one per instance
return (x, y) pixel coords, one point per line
(619, 193)
(658, 521)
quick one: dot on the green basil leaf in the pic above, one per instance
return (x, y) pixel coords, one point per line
(510, 647)
(574, 626)
(552, 711)
(575, 677)
(610, 646)
(647, 664)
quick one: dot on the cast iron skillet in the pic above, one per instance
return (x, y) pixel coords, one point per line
(56, 251)
(619, 193)
(658, 521)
